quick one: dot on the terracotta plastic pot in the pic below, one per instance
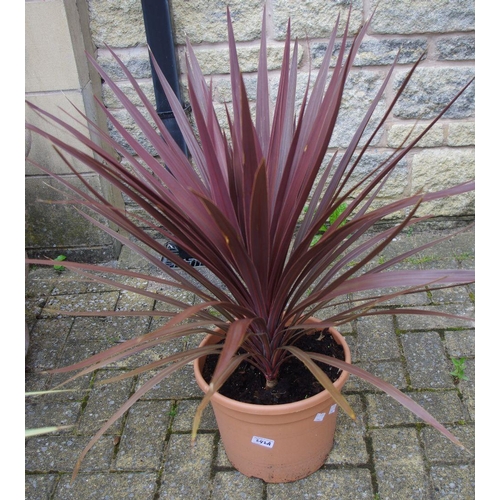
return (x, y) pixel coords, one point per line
(277, 443)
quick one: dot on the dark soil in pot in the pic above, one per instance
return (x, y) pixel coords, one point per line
(296, 382)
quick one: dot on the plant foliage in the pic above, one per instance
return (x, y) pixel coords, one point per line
(237, 205)
(331, 219)
(458, 368)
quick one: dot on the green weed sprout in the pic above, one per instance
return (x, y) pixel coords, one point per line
(458, 368)
(60, 258)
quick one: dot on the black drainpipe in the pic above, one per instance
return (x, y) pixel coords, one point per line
(160, 39)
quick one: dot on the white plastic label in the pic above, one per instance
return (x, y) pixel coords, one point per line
(319, 417)
(267, 443)
(332, 409)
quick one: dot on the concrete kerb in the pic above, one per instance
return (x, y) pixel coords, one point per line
(386, 453)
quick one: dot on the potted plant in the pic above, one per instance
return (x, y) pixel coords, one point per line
(237, 206)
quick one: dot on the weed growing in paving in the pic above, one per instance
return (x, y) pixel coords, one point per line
(458, 368)
(60, 258)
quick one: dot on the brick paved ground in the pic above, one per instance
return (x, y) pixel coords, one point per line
(385, 454)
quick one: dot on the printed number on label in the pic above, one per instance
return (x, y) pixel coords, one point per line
(267, 443)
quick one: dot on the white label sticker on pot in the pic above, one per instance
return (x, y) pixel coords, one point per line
(267, 443)
(319, 417)
(332, 409)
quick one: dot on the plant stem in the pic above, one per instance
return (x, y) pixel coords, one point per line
(271, 383)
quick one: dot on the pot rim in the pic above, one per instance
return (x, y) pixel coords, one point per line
(279, 409)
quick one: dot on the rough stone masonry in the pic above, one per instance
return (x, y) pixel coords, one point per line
(442, 30)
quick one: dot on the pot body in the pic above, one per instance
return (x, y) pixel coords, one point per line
(276, 443)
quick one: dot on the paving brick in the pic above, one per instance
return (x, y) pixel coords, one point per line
(352, 342)
(78, 389)
(457, 295)
(187, 468)
(445, 406)
(399, 464)
(33, 309)
(385, 411)
(104, 400)
(115, 328)
(41, 281)
(34, 382)
(408, 322)
(95, 286)
(221, 459)
(150, 355)
(377, 339)
(92, 328)
(143, 437)
(68, 283)
(185, 411)
(179, 385)
(349, 445)
(39, 486)
(194, 340)
(341, 484)
(51, 329)
(104, 301)
(396, 446)
(43, 413)
(101, 486)
(128, 258)
(75, 350)
(60, 453)
(132, 301)
(439, 449)
(467, 387)
(231, 485)
(429, 370)
(47, 340)
(390, 371)
(460, 344)
(172, 293)
(402, 481)
(453, 481)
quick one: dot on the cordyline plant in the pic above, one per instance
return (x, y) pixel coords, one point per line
(238, 207)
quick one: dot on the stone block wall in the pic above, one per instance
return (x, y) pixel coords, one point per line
(442, 30)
